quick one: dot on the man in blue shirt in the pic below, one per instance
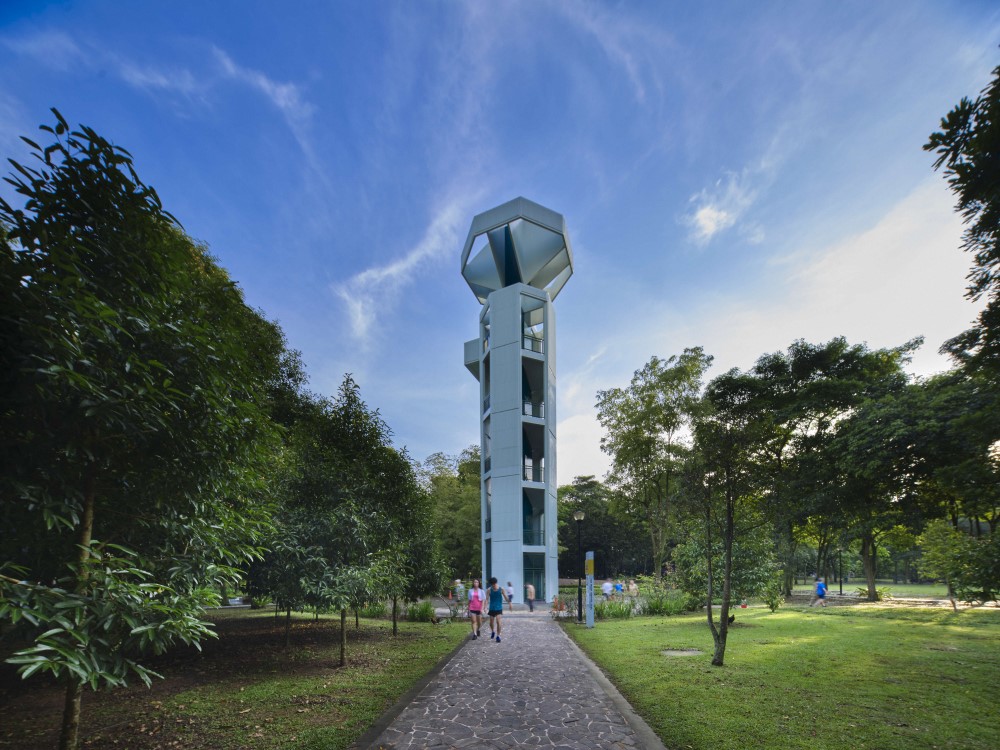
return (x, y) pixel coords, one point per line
(497, 597)
(820, 593)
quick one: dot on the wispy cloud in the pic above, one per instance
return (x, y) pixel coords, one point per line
(177, 80)
(55, 49)
(287, 97)
(373, 291)
(902, 277)
(626, 41)
(718, 208)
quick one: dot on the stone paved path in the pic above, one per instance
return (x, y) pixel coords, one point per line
(534, 688)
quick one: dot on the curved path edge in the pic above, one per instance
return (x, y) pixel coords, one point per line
(367, 739)
(645, 736)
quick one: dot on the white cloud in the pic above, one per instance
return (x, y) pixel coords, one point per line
(374, 290)
(900, 278)
(718, 208)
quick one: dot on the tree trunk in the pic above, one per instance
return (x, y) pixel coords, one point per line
(868, 553)
(69, 738)
(288, 625)
(357, 621)
(395, 616)
(788, 581)
(343, 637)
(719, 656)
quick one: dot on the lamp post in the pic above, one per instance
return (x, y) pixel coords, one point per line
(840, 564)
(578, 517)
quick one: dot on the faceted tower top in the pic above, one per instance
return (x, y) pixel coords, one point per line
(519, 242)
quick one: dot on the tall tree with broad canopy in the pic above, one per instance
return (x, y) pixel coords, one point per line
(133, 429)
(644, 434)
(618, 541)
(804, 393)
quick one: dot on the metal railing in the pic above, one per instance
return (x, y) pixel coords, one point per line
(534, 410)
(534, 472)
(534, 537)
(533, 343)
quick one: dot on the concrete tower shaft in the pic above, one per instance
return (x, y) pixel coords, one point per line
(516, 259)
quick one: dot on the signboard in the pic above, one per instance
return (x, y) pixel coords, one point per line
(590, 589)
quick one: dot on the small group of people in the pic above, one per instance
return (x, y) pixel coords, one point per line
(617, 589)
(493, 598)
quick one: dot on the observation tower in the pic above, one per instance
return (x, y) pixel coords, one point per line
(516, 259)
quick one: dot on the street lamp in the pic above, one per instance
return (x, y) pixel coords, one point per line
(578, 517)
(840, 563)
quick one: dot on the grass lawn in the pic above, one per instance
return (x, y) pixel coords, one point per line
(914, 590)
(245, 691)
(858, 676)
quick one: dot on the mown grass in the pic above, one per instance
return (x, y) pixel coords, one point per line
(840, 677)
(249, 691)
(914, 590)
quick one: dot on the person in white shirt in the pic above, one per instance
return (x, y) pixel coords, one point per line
(606, 588)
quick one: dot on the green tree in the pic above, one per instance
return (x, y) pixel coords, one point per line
(453, 485)
(968, 147)
(132, 419)
(801, 396)
(722, 489)
(644, 433)
(941, 546)
(618, 541)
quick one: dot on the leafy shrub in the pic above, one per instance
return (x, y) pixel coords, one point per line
(420, 612)
(978, 576)
(373, 610)
(614, 609)
(773, 597)
(657, 598)
(881, 593)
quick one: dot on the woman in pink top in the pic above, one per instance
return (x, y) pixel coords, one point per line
(476, 598)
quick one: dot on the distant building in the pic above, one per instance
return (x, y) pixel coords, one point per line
(516, 259)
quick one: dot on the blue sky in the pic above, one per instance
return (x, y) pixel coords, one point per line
(733, 175)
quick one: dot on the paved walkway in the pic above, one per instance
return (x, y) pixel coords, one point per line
(535, 688)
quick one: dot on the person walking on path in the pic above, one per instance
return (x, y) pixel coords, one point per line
(510, 596)
(496, 598)
(820, 593)
(476, 599)
(529, 595)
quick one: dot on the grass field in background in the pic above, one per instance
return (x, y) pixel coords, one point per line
(857, 676)
(913, 590)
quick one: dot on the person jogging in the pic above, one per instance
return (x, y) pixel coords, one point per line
(477, 597)
(497, 596)
(820, 593)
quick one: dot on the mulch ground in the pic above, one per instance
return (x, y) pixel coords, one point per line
(31, 710)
